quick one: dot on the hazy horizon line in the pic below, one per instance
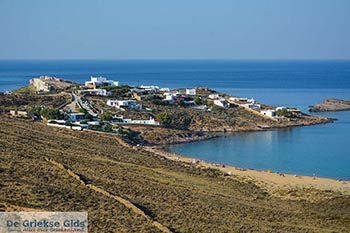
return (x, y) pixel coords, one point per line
(174, 59)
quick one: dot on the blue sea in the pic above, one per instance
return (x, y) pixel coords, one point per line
(322, 149)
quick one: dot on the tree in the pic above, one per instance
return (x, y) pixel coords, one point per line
(51, 113)
(214, 108)
(198, 100)
(87, 115)
(106, 116)
(283, 112)
(163, 118)
(159, 102)
(36, 110)
(108, 128)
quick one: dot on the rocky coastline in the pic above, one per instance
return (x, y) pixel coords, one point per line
(331, 105)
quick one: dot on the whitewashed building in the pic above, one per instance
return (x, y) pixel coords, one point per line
(214, 96)
(269, 113)
(243, 99)
(150, 88)
(169, 96)
(124, 103)
(221, 103)
(151, 121)
(100, 82)
(251, 106)
(164, 89)
(191, 91)
(102, 92)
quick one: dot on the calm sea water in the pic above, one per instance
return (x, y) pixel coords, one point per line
(321, 149)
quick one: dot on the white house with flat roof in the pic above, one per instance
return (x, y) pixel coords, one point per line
(165, 89)
(251, 106)
(191, 91)
(243, 99)
(124, 103)
(151, 121)
(268, 112)
(102, 92)
(222, 103)
(214, 96)
(169, 96)
(100, 82)
(150, 88)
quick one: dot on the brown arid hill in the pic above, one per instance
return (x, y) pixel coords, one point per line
(329, 105)
(127, 189)
(26, 101)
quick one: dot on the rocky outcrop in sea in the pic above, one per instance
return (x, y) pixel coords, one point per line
(329, 105)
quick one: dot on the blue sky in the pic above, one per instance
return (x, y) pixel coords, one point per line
(181, 29)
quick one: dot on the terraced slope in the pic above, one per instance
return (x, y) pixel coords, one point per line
(35, 160)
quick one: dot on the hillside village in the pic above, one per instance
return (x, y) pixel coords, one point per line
(139, 113)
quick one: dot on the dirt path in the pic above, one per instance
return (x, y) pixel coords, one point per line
(121, 200)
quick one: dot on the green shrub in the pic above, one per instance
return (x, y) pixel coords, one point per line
(106, 116)
(163, 119)
(284, 113)
(199, 101)
(51, 113)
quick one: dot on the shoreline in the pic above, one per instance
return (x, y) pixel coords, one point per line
(264, 179)
(209, 135)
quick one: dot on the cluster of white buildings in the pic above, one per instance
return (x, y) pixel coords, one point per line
(245, 102)
(78, 125)
(150, 88)
(153, 89)
(219, 100)
(251, 104)
(124, 104)
(151, 121)
(177, 96)
(102, 92)
(172, 96)
(96, 82)
(242, 99)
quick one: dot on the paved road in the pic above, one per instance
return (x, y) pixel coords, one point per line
(86, 105)
(72, 105)
(76, 100)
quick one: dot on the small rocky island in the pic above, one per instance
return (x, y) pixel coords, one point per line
(329, 105)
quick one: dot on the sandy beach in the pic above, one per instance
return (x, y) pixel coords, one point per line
(265, 179)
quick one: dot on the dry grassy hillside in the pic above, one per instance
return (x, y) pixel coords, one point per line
(45, 168)
(26, 101)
